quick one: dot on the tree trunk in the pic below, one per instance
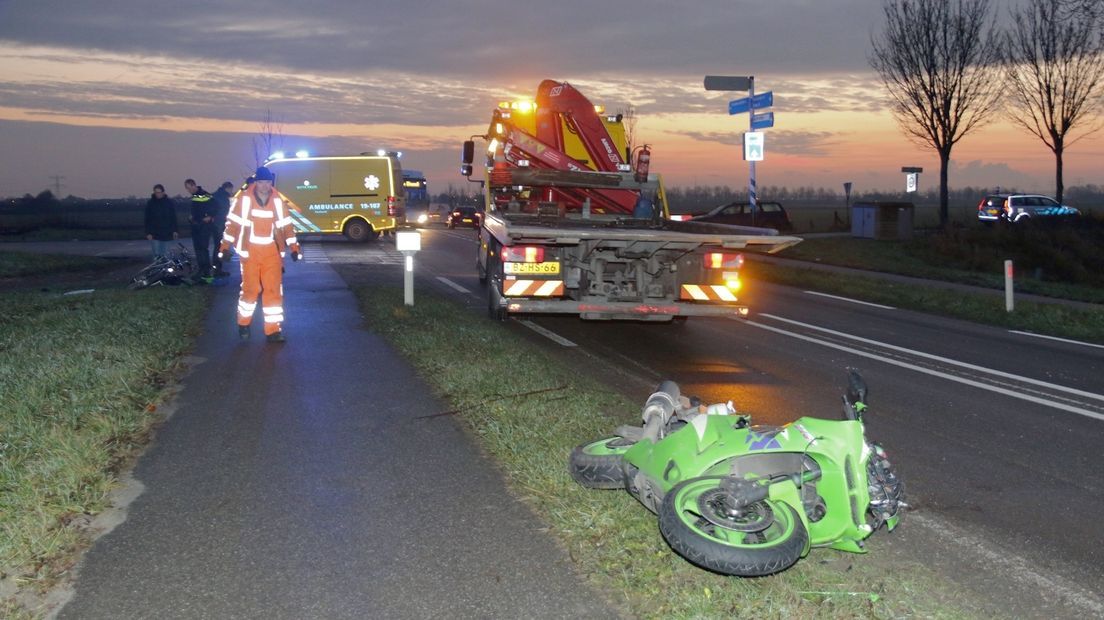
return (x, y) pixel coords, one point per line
(944, 162)
(1059, 188)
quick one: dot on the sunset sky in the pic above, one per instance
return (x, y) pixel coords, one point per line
(116, 95)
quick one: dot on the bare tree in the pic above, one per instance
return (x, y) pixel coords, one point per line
(1054, 63)
(628, 116)
(269, 138)
(937, 59)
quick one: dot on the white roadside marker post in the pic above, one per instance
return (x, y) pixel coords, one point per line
(408, 242)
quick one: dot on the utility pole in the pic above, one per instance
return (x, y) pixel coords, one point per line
(57, 184)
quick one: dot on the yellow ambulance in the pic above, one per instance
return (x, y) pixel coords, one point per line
(359, 196)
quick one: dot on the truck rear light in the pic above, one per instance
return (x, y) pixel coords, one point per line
(391, 206)
(523, 254)
(719, 260)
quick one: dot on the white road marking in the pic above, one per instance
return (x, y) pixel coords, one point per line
(1084, 344)
(313, 254)
(854, 301)
(1020, 568)
(944, 360)
(454, 285)
(467, 234)
(942, 375)
(553, 336)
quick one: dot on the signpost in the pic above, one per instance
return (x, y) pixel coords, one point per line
(754, 139)
(763, 120)
(912, 177)
(753, 146)
(746, 104)
(727, 82)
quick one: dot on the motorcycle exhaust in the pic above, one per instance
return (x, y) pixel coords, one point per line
(659, 408)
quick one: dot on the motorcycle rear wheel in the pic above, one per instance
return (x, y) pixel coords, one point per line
(769, 540)
(597, 464)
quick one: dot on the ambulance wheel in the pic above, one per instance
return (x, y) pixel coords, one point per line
(359, 231)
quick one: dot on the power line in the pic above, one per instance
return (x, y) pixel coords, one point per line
(57, 184)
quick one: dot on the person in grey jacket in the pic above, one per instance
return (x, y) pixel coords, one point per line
(161, 227)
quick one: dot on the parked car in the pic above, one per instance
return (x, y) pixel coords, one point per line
(464, 216)
(765, 215)
(1018, 207)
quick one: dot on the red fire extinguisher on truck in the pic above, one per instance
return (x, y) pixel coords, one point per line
(643, 158)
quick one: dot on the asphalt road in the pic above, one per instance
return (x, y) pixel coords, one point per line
(311, 480)
(997, 434)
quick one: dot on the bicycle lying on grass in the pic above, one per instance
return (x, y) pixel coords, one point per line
(172, 270)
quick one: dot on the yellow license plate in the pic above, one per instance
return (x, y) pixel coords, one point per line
(532, 268)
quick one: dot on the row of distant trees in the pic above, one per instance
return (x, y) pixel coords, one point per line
(950, 70)
(699, 197)
(692, 198)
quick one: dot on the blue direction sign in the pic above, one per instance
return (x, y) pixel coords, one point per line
(744, 104)
(762, 120)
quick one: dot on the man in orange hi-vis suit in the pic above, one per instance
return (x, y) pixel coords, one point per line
(260, 230)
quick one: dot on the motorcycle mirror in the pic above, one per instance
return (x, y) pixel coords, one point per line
(856, 387)
(849, 412)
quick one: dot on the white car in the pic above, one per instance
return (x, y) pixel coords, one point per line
(1019, 207)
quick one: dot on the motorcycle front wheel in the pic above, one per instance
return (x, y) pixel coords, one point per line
(765, 537)
(597, 465)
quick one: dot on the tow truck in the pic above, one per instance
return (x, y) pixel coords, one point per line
(575, 223)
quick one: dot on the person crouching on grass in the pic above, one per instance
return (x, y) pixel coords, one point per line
(260, 230)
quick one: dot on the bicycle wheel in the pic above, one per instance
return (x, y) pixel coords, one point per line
(148, 276)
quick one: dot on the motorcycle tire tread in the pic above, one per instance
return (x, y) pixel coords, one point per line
(596, 471)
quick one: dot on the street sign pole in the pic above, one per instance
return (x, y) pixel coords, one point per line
(751, 127)
(753, 138)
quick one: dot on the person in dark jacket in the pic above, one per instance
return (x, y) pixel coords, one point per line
(200, 219)
(221, 206)
(160, 222)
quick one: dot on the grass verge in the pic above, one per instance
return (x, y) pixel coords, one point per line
(80, 384)
(22, 264)
(75, 234)
(951, 257)
(528, 410)
(1040, 318)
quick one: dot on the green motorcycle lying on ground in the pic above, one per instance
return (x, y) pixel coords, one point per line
(747, 500)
